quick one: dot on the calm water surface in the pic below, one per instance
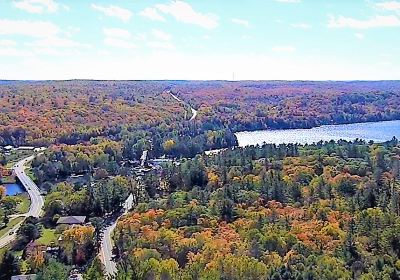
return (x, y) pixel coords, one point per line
(376, 131)
(13, 189)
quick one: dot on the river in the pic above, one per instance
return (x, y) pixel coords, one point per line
(375, 131)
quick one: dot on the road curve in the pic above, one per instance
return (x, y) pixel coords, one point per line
(194, 111)
(37, 201)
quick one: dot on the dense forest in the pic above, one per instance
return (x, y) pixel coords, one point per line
(330, 210)
(280, 104)
(324, 211)
(73, 112)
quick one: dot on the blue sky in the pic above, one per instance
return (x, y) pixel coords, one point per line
(203, 39)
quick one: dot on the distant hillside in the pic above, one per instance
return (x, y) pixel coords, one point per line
(42, 112)
(253, 105)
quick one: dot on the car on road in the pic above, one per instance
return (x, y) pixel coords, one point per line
(11, 233)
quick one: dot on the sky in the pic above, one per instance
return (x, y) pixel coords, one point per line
(200, 39)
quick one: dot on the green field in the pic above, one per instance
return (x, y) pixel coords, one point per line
(29, 172)
(10, 225)
(23, 206)
(48, 236)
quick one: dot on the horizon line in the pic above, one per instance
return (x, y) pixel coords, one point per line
(195, 80)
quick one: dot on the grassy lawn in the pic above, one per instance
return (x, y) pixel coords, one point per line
(48, 236)
(10, 225)
(23, 206)
(29, 172)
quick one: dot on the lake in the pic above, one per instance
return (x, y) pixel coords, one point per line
(13, 189)
(375, 131)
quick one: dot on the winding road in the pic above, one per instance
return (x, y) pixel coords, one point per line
(36, 198)
(194, 111)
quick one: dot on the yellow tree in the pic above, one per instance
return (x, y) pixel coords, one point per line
(169, 145)
(75, 242)
(36, 259)
(3, 192)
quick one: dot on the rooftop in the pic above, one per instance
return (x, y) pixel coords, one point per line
(24, 277)
(71, 220)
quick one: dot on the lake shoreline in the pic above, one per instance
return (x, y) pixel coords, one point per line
(380, 131)
(317, 126)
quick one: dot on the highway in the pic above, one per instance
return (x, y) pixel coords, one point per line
(36, 198)
(106, 255)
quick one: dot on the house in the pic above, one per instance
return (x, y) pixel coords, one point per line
(75, 276)
(40, 149)
(25, 148)
(8, 148)
(24, 277)
(71, 220)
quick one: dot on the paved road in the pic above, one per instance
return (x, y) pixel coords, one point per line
(37, 200)
(194, 112)
(106, 255)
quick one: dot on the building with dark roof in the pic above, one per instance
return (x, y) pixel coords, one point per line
(71, 220)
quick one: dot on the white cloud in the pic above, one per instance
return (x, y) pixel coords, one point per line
(114, 11)
(37, 29)
(7, 43)
(183, 12)
(161, 35)
(71, 30)
(240, 22)
(56, 42)
(288, 1)
(359, 36)
(118, 37)
(119, 43)
(103, 52)
(152, 13)
(162, 40)
(389, 6)
(37, 6)
(374, 22)
(161, 45)
(117, 33)
(35, 52)
(301, 25)
(13, 52)
(48, 51)
(286, 49)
